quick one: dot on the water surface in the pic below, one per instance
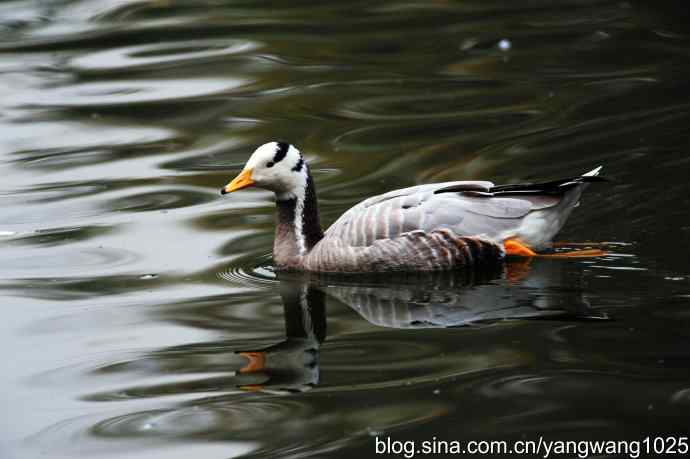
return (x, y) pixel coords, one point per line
(141, 317)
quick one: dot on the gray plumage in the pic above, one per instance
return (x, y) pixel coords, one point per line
(416, 229)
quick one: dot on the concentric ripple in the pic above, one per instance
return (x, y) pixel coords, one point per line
(248, 417)
(252, 272)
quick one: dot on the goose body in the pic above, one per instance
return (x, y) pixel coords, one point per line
(432, 227)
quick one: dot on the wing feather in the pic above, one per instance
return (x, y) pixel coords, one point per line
(419, 208)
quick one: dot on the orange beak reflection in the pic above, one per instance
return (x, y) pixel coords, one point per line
(243, 180)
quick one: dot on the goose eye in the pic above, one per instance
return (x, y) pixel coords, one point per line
(270, 164)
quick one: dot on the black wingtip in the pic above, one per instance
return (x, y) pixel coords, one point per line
(465, 187)
(595, 178)
(554, 187)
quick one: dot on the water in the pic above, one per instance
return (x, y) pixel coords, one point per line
(141, 316)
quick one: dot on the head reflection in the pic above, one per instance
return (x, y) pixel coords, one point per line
(515, 290)
(291, 365)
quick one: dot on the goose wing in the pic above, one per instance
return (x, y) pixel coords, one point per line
(466, 208)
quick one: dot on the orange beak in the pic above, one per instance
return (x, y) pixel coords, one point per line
(243, 180)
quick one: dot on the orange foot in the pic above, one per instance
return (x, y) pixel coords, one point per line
(515, 248)
(257, 361)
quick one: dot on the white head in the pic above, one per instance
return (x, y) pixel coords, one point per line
(275, 166)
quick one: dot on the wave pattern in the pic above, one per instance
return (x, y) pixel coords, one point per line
(144, 309)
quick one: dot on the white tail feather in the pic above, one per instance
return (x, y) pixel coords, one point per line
(593, 172)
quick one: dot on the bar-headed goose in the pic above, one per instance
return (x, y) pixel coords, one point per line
(430, 227)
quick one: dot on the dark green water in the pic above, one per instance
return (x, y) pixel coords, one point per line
(129, 285)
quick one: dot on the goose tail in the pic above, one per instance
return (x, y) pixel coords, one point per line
(540, 226)
(594, 172)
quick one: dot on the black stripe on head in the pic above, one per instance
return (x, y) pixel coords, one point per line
(281, 150)
(299, 165)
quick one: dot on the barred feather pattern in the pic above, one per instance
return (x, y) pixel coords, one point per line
(437, 250)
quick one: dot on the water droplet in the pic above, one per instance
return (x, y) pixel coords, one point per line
(504, 44)
(374, 432)
(437, 391)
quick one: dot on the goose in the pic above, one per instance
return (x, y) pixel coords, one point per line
(430, 227)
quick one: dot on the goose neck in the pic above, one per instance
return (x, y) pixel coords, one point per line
(298, 229)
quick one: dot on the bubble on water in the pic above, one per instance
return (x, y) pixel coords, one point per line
(504, 44)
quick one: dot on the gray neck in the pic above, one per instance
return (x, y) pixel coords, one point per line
(298, 229)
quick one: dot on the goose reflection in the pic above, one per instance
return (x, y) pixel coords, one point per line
(543, 290)
(518, 290)
(291, 365)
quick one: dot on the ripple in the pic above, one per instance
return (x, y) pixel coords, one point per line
(48, 237)
(159, 200)
(129, 92)
(421, 133)
(367, 353)
(255, 314)
(371, 361)
(512, 386)
(248, 417)
(158, 55)
(563, 400)
(37, 140)
(77, 287)
(68, 260)
(64, 191)
(251, 271)
(484, 99)
(297, 427)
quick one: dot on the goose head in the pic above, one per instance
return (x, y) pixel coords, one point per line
(274, 166)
